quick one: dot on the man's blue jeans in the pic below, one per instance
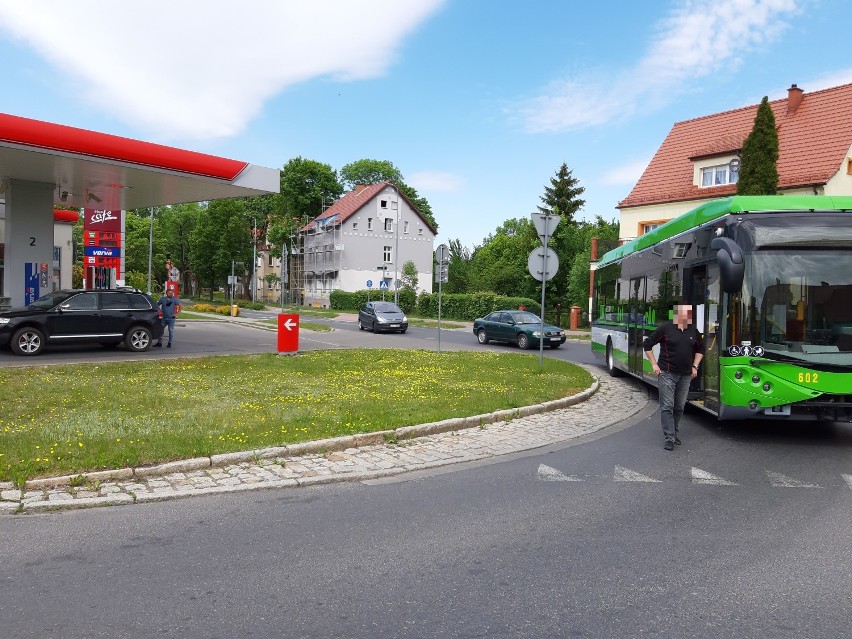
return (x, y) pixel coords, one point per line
(674, 389)
(170, 325)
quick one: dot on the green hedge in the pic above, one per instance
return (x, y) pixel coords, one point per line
(463, 307)
(467, 307)
(343, 301)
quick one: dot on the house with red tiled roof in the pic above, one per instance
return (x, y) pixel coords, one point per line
(698, 160)
(362, 242)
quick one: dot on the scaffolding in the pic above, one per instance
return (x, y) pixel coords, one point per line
(321, 254)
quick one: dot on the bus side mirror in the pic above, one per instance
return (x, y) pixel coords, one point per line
(731, 264)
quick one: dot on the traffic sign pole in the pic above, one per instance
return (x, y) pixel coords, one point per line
(544, 225)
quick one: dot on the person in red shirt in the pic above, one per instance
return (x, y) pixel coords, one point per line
(681, 351)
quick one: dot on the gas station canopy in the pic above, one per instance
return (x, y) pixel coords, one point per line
(98, 170)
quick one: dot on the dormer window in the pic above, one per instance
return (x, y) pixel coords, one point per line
(383, 204)
(718, 175)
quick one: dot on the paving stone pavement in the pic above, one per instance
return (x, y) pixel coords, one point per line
(607, 402)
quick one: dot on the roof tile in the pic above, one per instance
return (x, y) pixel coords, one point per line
(812, 143)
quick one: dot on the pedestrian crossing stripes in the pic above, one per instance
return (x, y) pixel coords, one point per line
(697, 475)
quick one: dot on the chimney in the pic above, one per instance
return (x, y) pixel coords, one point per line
(360, 187)
(594, 250)
(794, 99)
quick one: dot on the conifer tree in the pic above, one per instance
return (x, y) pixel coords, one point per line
(759, 171)
(562, 196)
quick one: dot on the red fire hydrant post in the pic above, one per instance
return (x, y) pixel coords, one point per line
(575, 318)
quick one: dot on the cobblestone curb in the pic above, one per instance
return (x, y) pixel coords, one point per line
(350, 458)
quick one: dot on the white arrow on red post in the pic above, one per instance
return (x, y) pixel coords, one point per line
(289, 324)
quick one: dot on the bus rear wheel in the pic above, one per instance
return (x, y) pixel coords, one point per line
(610, 360)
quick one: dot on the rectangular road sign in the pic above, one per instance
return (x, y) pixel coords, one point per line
(288, 333)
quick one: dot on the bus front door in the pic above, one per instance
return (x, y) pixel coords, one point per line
(712, 342)
(636, 327)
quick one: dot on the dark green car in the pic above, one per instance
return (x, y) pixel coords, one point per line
(518, 327)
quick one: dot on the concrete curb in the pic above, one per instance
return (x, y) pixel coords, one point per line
(320, 446)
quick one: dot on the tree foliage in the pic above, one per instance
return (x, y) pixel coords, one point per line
(500, 264)
(408, 276)
(759, 170)
(369, 172)
(458, 269)
(220, 237)
(562, 197)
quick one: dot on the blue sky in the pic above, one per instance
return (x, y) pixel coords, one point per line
(477, 102)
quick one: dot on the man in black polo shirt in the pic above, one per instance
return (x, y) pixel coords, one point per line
(681, 350)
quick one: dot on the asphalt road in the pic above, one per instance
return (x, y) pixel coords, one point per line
(741, 532)
(196, 338)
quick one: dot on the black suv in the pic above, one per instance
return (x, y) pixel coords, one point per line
(64, 317)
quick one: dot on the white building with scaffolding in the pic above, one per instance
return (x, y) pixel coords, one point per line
(363, 239)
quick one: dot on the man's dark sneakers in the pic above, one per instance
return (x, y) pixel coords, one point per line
(677, 440)
(169, 345)
(669, 445)
(158, 345)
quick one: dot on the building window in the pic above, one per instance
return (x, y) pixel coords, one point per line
(718, 175)
(388, 255)
(420, 231)
(405, 227)
(354, 226)
(369, 224)
(646, 228)
(271, 259)
(849, 166)
(383, 204)
(388, 224)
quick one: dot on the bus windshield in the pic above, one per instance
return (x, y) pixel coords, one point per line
(798, 305)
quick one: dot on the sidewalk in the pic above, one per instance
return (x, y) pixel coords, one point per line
(355, 458)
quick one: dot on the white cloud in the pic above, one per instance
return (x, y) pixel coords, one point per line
(626, 173)
(203, 70)
(826, 80)
(435, 181)
(693, 41)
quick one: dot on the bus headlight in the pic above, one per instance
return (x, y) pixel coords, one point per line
(755, 378)
(738, 374)
(753, 405)
(767, 387)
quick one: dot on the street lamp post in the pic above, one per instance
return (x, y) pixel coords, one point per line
(150, 247)
(254, 262)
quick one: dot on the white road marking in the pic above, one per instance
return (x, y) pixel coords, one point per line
(625, 474)
(848, 479)
(546, 473)
(782, 481)
(703, 477)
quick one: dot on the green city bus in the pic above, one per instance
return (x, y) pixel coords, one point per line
(770, 282)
